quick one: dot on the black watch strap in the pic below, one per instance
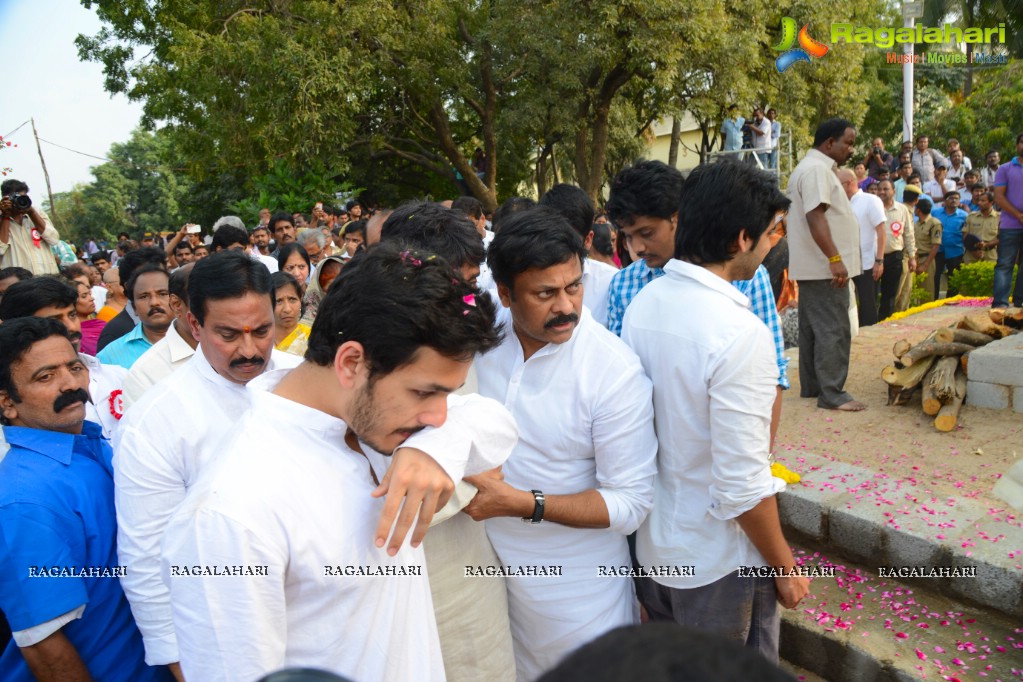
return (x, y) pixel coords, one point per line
(538, 504)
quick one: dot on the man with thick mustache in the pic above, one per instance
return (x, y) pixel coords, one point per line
(157, 459)
(149, 293)
(54, 297)
(585, 461)
(58, 555)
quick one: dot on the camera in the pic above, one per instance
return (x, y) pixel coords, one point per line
(877, 150)
(21, 202)
(193, 229)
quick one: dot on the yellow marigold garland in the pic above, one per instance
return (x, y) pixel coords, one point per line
(934, 304)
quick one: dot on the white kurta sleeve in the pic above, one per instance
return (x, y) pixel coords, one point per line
(625, 449)
(742, 392)
(479, 435)
(147, 490)
(229, 628)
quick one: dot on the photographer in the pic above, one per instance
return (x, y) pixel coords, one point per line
(877, 158)
(26, 234)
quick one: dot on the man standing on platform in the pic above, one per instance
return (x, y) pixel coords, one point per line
(824, 243)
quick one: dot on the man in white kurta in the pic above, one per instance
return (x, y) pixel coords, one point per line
(299, 500)
(586, 445)
(295, 499)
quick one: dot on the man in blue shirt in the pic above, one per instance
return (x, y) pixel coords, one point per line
(732, 129)
(58, 557)
(149, 292)
(644, 205)
(950, 257)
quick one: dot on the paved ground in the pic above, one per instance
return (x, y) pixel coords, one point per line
(890, 466)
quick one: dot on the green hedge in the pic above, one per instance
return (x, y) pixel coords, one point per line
(976, 279)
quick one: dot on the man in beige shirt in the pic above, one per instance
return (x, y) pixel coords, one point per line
(824, 250)
(983, 225)
(26, 233)
(928, 242)
(899, 248)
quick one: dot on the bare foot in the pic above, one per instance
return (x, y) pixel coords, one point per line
(851, 406)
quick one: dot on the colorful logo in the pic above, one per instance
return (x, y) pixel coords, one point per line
(808, 47)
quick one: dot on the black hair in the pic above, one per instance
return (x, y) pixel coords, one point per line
(646, 188)
(12, 186)
(922, 137)
(182, 245)
(602, 239)
(226, 274)
(123, 236)
(285, 279)
(946, 196)
(277, 217)
(26, 297)
(1019, 138)
(573, 203)
(721, 200)
(17, 336)
(145, 268)
(352, 203)
(539, 238)
(664, 652)
(285, 252)
(127, 263)
(14, 271)
(73, 270)
(178, 283)
(924, 205)
(431, 227)
(264, 228)
(100, 255)
(832, 129)
(228, 235)
(509, 208)
(470, 206)
(353, 226)
(393, 302)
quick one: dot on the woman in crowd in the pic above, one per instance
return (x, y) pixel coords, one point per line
(326, 271)
(290, 333)
(293, 259)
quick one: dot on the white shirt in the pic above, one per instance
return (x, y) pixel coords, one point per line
(156, 461)
(163, 443)
(596, 281)
(937, 191)
(99, 295)
(105, 382)
(296, 499)
(763, 141)
(270, 263)
(21, 251)
(167, 355)
(584, 414)
(869, 210)
(715, 374)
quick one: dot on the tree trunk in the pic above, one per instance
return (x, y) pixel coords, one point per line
(900, 348)
(929, 348)
(949, 414)
(930, 403)
(967, 336)
(676, 136)
(908, 376)
(982, 322)
(942, 379)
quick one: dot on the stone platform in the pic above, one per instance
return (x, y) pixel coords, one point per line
(995, 378)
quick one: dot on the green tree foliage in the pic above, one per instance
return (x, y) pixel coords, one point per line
(990, 118)
(547, 90)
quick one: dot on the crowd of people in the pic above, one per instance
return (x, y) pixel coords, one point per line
(415, 443)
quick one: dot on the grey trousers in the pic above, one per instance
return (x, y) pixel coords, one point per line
(824, 340)
(744, 610)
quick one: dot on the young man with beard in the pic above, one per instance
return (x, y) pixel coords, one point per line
(714, 377)
(58, 555)
(230, 299)
(393, 338)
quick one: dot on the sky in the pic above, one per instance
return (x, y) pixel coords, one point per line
(64, 95)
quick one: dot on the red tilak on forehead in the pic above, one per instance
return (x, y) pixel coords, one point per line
(246, 329)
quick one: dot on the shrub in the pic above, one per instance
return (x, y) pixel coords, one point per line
(976, 279)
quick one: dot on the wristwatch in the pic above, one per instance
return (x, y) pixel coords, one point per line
(538, 502)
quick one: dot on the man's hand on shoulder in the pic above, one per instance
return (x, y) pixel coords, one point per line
(415, 479)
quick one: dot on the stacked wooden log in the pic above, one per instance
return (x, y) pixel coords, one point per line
(939, 364)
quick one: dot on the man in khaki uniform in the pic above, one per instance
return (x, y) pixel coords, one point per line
(928, 242)
(983, 225)
(899, 247)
